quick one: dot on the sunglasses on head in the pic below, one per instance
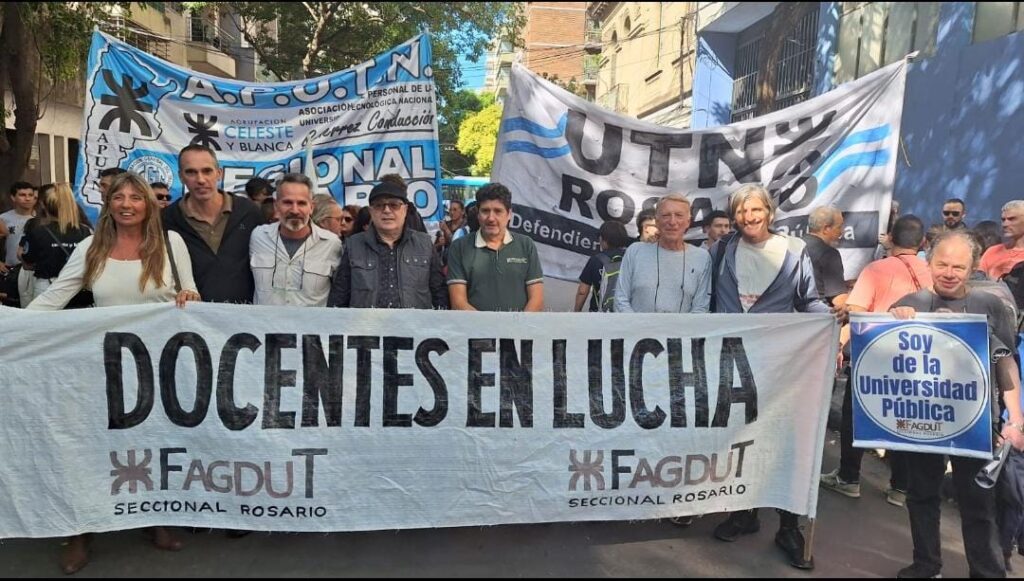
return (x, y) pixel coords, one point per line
(952, 213)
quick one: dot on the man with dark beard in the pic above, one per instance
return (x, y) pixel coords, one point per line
(293, 260)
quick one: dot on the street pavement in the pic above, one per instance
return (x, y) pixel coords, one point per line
(863, 537)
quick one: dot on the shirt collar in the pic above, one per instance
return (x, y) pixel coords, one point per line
(480, 242)
(226, 208)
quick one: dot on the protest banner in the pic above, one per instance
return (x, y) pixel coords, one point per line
(922, 385)
(571, 165)
(376, 118)
(309, 419)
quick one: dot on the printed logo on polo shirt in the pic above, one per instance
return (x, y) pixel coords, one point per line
(517, 261)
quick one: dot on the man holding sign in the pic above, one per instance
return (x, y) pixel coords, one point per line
(952, 259)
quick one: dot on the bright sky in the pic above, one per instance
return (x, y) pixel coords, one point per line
(472, 73)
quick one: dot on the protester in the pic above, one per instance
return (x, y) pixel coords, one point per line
(23, 202)
(268, 211)
(613, 240)
(258, 189)
(348, 220)
(716, 225)
(328, 215)
(878, 287)
(391, 265)
(646, 226)
(1000, 259)
(954, 211)
(951, 259)
(362, 220)
(991, 234)
(162, 193)
(757, 271)
(107, 177)
(127, 261)
(825, 227)
(215, 226)
(293, 261)
(495, 270)
(667, 276)
(51, 238)
(456, 220)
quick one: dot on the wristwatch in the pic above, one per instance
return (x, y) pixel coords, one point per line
(1020, 426)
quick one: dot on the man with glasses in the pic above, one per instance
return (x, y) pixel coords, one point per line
(163, 194)
(953, 213)
(293, 260)
(389, 266)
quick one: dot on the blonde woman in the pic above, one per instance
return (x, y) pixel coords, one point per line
(126, 262)
(51, 237)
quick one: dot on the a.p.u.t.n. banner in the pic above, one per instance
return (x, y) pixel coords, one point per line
(922, 385)
(571, 164)
(308, 419)
(373, 119)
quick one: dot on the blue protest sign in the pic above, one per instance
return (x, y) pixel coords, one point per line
(345, 129)
(922, 385)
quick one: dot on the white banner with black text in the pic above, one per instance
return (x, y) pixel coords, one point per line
(309, 419)
(571, 165)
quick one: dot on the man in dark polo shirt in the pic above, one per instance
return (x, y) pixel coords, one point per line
(825, 227)
(216, 228)
(494, 270)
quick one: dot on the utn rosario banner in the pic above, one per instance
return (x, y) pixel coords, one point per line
(571, 165)
(377, 118)
(309, 419)
(922, 385)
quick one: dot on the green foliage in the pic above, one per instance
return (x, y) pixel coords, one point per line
(478, 137)
(451, 112)
(315, 38)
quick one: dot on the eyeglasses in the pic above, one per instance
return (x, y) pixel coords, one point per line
(163, 198)
(347, 219)
(952, 214)
(393, 206)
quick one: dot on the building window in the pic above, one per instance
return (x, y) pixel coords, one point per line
(875, 34)
(793, 66)
(996, 19)
(744, 87)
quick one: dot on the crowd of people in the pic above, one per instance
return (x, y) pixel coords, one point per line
(280, 244)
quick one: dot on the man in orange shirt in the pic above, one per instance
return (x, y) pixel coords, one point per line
(878, 287)
(1001, 258)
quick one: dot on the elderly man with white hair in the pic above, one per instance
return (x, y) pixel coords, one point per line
(1001, 258)
(825, 228)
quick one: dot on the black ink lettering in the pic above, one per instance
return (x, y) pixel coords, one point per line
(233, 417)
(322, 380)
(113, 343)
(435, 415)
(169, 384)
(274, 379)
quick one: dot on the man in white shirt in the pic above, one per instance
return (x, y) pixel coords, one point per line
(293, 261)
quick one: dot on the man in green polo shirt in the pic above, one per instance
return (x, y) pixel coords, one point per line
(494, 270)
